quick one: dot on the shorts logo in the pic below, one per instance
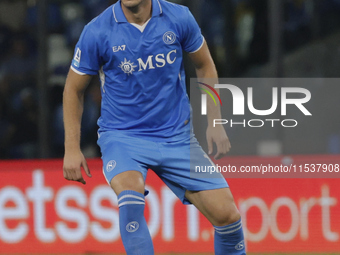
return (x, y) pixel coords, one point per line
(240, 246)
(169, 37)
(111, 165)
(132, 226)
(76, 59)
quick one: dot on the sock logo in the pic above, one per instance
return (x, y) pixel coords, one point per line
(240, 246)
(132, 226)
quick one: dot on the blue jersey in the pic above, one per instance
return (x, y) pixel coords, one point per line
(141, 69)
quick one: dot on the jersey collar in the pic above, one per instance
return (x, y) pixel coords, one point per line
(119, 16)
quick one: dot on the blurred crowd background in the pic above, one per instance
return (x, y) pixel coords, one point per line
(247, 38)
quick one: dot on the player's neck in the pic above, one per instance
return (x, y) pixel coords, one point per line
(138, 14)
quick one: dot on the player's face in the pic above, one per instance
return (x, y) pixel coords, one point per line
(133, 3)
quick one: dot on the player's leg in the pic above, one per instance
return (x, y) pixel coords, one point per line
(123, 169)
(129, 187)
(218, 207)
(209, 192)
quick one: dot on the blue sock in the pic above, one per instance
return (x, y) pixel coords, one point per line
(229, 239)
(133, 228)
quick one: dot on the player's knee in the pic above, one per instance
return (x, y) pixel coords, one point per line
(130, 180)
(226, 215)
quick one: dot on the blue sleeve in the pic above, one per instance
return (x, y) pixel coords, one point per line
(192, 36)
(86, 58)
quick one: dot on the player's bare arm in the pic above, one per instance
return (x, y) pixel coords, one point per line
(73, 109)
(205, 69)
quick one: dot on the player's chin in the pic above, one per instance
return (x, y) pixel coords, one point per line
(131, 3)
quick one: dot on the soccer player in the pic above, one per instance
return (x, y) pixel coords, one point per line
(137, 47)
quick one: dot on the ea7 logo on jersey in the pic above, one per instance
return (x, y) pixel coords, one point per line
(119, 48)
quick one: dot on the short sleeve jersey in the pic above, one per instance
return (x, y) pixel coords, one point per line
(141, 71)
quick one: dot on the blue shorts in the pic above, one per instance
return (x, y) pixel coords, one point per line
(173, 162)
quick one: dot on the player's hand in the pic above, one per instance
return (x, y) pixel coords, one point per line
(218, 136)
(73, 161)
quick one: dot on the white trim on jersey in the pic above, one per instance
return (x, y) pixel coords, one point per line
(102, 78)
(76, 71)
(160, 7)
(199, 47)
(114, 14)
(141, 27)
